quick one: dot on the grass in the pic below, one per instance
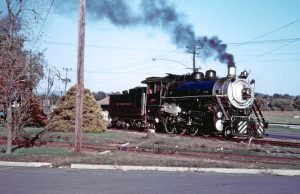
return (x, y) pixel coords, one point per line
(3, 131)
(34, 129)
(37, 151)
(289, 117)
(283, 129)
(28, 130)
(163, 143)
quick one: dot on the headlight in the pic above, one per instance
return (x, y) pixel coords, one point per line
(219, 115)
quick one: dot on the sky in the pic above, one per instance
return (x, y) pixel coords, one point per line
(262, 35)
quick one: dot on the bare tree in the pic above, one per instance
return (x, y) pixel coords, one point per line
(20, 70)
(50, 80)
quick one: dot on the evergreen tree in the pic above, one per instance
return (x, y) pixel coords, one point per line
(38, 117)
(63, 116)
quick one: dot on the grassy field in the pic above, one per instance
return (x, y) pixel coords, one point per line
(283, 129)
(290, 117)
(63, 155)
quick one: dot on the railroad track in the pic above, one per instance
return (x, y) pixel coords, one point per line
(263, 141)
(217, 156)
(204, 155)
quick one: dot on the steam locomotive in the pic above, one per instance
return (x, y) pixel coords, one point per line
(193, 104)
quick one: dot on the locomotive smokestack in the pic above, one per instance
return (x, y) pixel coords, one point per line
(231, 71)
(228, 58)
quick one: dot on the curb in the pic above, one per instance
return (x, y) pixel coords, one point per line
(25, 164)
(281, 172)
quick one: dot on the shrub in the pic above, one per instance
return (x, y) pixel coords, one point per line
(63, 116)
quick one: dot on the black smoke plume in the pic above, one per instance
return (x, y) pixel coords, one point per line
(156, 13)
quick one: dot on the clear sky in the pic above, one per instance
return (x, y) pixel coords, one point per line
(119, 58)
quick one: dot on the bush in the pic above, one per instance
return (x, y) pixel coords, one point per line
(63, 116)
(297, 103)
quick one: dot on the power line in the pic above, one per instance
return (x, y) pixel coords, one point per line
(266, 41)
(277, 29)
(287, 53)
(44, 21)
(268, 33)
(268, 52)
(273, 41)
(155, 59)
(114, 72)
(108, 47)
(278, 60)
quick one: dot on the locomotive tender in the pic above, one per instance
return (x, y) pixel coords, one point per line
(192, 103)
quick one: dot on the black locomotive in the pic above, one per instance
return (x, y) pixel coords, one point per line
(192, 103)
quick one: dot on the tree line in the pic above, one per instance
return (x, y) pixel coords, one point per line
(278, 102)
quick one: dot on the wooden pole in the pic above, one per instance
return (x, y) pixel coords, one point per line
(9, 127)
(80, 82)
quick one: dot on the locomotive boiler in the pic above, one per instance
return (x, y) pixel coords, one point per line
(194, 103)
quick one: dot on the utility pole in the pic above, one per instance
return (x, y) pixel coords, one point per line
(80, 76)
(194, 50)
(66, 80)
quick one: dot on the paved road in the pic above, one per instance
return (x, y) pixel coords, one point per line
(283, 135)
(68, 181)
(293, 126)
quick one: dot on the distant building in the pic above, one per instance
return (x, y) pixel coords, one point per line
(103, 104)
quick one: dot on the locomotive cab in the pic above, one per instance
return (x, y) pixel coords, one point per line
(153, 94)
(154, 90)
